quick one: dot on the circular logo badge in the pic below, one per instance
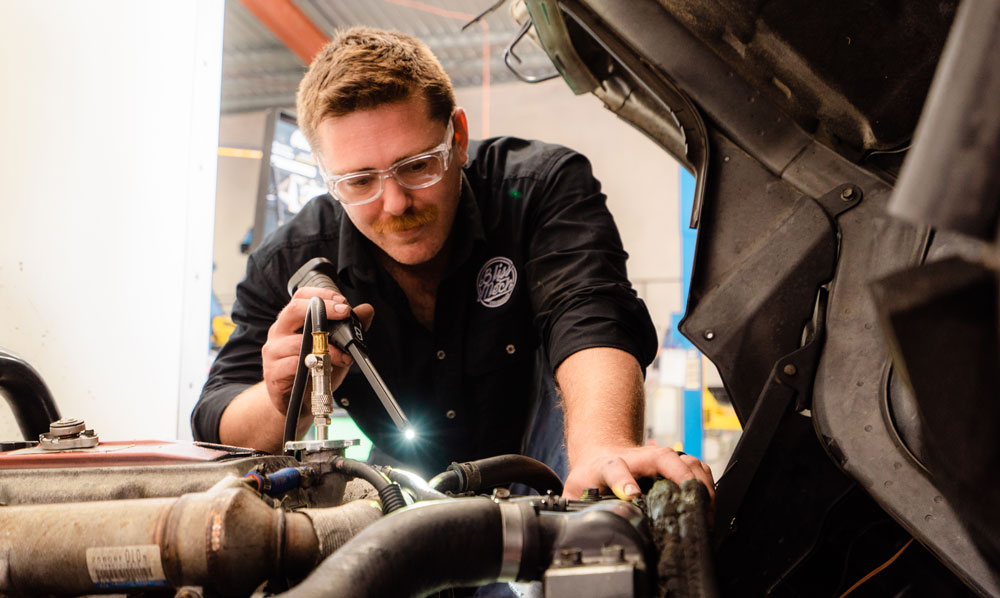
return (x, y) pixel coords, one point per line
(495, 283)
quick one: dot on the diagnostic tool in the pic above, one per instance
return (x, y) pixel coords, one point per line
(348, 335)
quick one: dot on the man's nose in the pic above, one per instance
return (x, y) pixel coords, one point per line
(395, 199)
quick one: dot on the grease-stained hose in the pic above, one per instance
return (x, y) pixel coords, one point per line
(497, 471)
(460, 543)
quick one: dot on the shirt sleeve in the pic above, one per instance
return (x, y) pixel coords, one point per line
(239, 363)
(580, 292)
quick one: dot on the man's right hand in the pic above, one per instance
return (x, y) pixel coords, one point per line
(280, 353)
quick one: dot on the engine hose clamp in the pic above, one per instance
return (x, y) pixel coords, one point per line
(512, 524)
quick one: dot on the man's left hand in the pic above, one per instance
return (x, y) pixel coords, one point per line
(618, 469)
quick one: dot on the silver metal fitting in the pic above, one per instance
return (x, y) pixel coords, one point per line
(321, 400)
(317, 446)
(512, 522)
(68, 433)
(67, 426)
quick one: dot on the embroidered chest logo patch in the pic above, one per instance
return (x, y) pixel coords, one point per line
(495, 283)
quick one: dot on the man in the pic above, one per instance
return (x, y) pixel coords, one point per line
(470, 256)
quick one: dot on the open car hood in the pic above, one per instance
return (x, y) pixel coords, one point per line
(860, 349)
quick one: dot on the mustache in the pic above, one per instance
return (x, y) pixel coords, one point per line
(396, 224)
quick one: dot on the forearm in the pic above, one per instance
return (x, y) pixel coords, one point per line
(251, 420)
(602, 392)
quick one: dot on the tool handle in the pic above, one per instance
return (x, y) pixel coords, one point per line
(317, 272)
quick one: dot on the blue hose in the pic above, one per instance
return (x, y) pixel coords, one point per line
(283, 480)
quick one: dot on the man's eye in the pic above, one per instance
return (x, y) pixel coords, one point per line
(416, 167)
(360, 182)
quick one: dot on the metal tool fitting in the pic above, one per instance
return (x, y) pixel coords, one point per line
(321, 370)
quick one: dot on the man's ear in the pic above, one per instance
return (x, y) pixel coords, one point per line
(461, 143)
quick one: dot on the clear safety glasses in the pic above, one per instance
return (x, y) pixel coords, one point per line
(415, 172)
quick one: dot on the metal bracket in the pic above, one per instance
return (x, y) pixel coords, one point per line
(791, 379)
(509, 51)
(316, 446)
(841, 199)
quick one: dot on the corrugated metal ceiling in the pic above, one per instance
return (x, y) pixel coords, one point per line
(259, 71)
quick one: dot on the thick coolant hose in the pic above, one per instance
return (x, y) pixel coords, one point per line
(497, 471)
(425, 548)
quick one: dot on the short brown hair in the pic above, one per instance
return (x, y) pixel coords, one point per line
(364, 68)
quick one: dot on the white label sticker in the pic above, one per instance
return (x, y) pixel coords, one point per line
(126, 566)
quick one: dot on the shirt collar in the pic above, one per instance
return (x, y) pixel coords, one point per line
(354, 253)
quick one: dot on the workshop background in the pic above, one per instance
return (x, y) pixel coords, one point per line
(149, 137)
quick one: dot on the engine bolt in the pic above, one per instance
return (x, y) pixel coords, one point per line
(614, 553)
(570, 556)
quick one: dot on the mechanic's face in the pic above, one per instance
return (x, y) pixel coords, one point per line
(410, 225)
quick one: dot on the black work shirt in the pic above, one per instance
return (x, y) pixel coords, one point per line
(536, 259)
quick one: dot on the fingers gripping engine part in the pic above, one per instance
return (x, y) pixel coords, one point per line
(348, 335)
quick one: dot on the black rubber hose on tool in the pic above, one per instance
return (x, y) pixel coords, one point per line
(29, 399)
(497, 471)
(424, 549)
(315, 320)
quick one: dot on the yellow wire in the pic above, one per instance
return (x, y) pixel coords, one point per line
(877, 569)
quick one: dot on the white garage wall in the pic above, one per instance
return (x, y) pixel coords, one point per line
(109, 116)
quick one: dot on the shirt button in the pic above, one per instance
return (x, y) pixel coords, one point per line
(345, 402)
(450, 414)
(440, 354)
(511, 349)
